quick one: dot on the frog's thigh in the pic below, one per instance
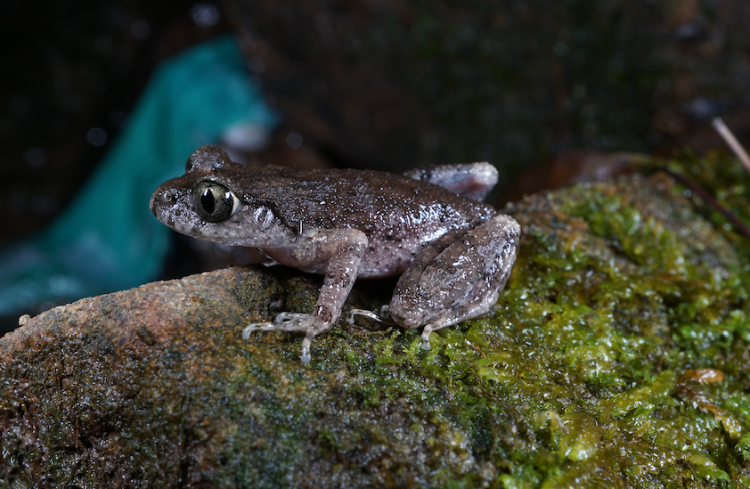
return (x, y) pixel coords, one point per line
(450, 282)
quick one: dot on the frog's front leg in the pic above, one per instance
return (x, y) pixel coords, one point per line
(342, 249)
(456, 277)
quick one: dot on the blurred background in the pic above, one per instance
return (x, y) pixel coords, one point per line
(543, 89)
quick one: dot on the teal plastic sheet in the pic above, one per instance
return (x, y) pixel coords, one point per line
(107, 239)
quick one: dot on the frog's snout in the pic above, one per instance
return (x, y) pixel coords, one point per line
(162, 198)
(151, 204)
(156, 198)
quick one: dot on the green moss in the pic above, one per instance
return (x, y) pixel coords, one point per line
(617, 292)
(584, 375)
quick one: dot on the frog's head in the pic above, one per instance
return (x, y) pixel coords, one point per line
(208, 202)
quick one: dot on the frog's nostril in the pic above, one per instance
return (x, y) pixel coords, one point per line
(161, 199)
(168, 196)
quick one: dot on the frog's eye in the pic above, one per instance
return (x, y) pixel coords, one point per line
(214, 202)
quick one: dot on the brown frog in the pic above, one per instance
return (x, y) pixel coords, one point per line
(454, 253)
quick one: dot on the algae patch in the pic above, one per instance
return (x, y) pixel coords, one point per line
(620, 289)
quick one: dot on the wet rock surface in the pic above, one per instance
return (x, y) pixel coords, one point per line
(617, 357)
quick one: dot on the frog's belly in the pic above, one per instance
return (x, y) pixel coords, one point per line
(379, 265)
(380, 260)
(386, 258)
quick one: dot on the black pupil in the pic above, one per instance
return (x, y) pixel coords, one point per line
(214, 202)
(208, 202)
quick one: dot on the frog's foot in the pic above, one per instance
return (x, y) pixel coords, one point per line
(285, 321)
(309, 324)
(383, 317)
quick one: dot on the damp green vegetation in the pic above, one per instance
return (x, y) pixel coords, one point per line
(623, 291)
(618, 356)
(727, 182)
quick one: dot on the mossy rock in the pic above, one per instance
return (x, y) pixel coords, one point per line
(617, 357)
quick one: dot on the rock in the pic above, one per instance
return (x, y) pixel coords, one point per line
(585, 375)
(155, 383)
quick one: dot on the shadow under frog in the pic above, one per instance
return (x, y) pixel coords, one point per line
(454, 253)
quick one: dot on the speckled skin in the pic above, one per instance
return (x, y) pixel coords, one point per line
(349, 224)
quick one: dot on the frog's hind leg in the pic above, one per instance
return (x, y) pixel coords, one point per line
(457, 277)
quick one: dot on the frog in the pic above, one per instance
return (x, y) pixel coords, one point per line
(452, 253)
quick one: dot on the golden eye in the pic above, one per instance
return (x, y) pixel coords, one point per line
(214, 202)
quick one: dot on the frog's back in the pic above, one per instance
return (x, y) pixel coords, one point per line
(397, 213)
(364, 199)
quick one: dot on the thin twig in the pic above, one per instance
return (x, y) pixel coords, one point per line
(739, 225)
(725, 133)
